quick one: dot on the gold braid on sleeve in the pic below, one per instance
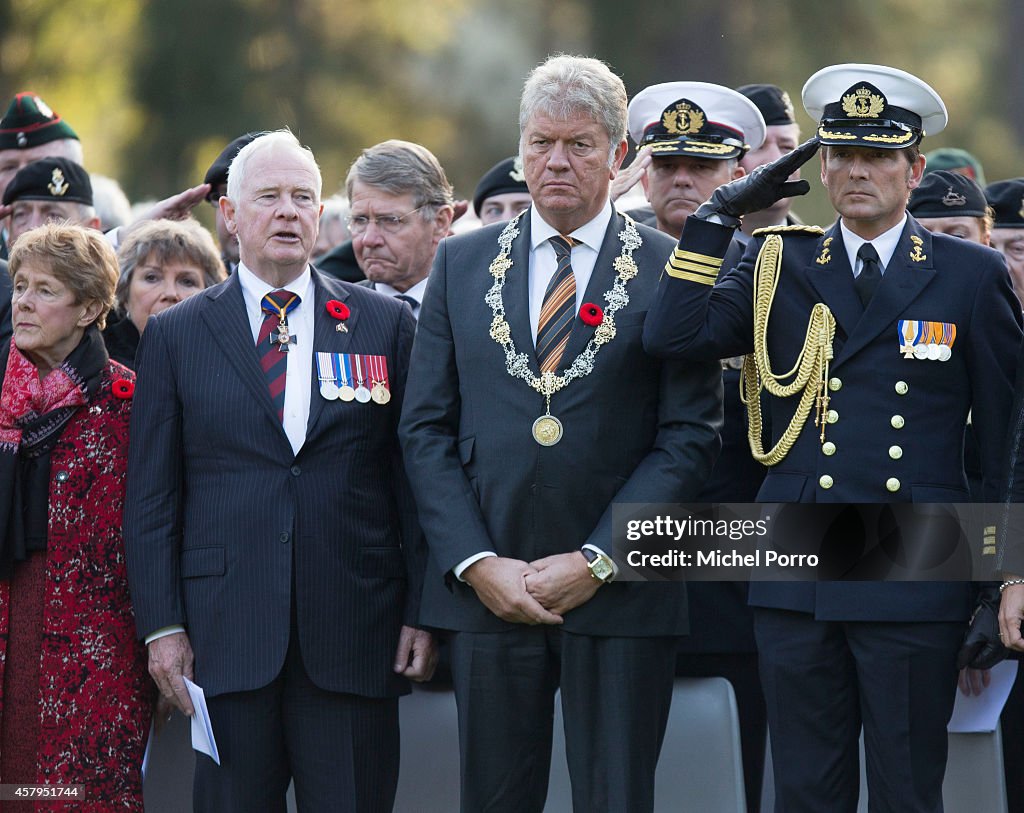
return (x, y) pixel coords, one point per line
(809, 374)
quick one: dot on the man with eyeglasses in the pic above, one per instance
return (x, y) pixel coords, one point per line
(401, 208)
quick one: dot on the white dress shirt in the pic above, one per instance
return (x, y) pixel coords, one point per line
(416, 292)
(544, 262)
(543, 265)
(299, 378)
(885, 245)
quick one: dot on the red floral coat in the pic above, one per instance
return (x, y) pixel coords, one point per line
(95, 689)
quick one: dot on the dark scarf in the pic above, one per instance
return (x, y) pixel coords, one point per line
(33, 415)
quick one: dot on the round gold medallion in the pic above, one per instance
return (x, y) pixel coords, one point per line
(547, 430)
(380, 394)
(346, 393)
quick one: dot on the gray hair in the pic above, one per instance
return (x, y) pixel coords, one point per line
(112, 206)
(399, 168)
(184, 241)
(276, 139)
(565, 86)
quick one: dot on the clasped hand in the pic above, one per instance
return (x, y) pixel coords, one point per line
(538, 592)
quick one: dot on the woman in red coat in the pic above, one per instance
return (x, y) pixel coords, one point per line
(76, 698)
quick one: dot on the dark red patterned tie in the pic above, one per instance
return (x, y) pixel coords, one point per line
(273, 359)
(558, 311)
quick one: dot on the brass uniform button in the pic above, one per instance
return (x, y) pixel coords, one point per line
(895, 452)
(897, 421)
(832, 416)
(825, 481)
(892, 484)
(828, 448)
(902, 388)
(835, 384)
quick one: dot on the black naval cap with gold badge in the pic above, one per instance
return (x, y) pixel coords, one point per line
(947, 194)
(29, 122)
(872, 106)
(57, 179)
(504, 177)
(773, 102)
(1007, 200)
(696, 119)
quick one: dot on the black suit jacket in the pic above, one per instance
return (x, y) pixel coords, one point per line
(5, 302)
(340, 262)
(636, 430)
(930, 277)
(222, 519)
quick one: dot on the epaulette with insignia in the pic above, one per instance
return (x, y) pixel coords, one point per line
(817, 231)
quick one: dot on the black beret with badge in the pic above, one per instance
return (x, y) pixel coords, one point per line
(56, 179)
(947, 194)
(504, 177)
(772, 101)
(872, 106)
(697, 119)
(1007, 200)
(217, 174)
(29, 122)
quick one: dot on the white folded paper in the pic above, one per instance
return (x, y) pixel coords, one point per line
(202, 731)
(981, 712)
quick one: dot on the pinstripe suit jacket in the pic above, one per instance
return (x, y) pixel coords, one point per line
(222, 519)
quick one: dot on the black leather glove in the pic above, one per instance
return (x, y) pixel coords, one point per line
(760, 189)
(982, 648)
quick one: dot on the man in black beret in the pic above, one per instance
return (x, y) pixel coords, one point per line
(30, 130)
(947, 202)
(49, 190)
(501, 193)
(1007, 201)
(34, 203)
(217, 178)
(782, 135)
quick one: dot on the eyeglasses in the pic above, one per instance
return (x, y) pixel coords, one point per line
(389, 224)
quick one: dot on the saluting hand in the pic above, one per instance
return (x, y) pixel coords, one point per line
(761, 188)
(630, 176)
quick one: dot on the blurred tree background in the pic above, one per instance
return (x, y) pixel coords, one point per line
(155, 88)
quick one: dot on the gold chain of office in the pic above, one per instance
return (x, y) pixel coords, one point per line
(809, 374)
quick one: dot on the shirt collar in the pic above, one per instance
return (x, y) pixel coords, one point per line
(416, 291)
(885, 244)
(256, 288)
(589, 234)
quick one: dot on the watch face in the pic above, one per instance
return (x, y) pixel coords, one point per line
(601, 568)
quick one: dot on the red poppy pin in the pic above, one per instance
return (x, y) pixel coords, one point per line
(123, 389)
(341, 312)
(591, 314)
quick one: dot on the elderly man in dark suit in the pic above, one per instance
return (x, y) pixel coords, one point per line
(401, 208)
(531, 409)
(903, 333)
(268, 524)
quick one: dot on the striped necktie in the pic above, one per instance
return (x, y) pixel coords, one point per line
(558, 310)
(276, 306)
